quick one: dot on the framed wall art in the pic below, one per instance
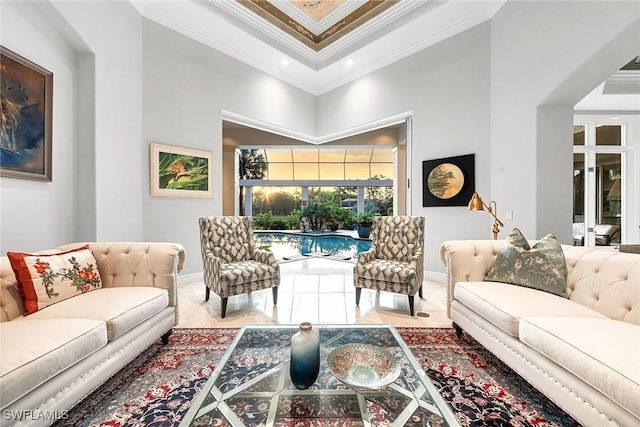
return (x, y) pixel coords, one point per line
(26, 94)
(449, 181)
(181, 172)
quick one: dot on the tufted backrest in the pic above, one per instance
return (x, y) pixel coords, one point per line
(228, 237)
(10, 300)
(605, 280)
(397, 237)
(120, 264)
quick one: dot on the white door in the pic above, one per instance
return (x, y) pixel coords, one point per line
(605, 177)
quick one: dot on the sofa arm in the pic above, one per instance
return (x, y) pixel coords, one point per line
(123, 264)
(467, 261)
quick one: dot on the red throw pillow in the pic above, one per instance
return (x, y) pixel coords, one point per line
(44, 280)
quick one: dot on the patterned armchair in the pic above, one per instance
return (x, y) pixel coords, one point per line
(395, 261)
(232, 265)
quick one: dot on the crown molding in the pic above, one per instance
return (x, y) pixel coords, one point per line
(317, 27)
(229, 116)
(623, 82)
(211, 33)
(257, 23)
(377, 57)
(374, 25)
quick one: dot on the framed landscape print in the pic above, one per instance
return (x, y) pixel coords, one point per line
(449, 181)
(181, 172)
(26, 95)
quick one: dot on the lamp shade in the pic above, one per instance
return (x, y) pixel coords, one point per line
(614, 191)
(475, 204)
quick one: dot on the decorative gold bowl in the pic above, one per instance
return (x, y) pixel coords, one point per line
(363, 366)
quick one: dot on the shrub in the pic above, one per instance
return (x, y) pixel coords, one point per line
(263, 221)
(279, 224)
(294, 219)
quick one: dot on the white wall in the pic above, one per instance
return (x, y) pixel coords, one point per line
(186, 87)
(112, 33)
(546, 56)
(38, 215)
(502, 90)
(94, 50)
(447, 88)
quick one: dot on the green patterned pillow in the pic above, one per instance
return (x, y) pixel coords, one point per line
(542, 267)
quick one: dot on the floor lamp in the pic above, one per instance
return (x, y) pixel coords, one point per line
(476, 204)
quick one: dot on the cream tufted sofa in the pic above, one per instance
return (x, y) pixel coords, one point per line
(53, 358)
(583, 352)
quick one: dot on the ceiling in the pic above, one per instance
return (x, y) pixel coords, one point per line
(318, 45)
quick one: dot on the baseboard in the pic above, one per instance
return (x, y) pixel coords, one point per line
(191, 277)
(435, 276)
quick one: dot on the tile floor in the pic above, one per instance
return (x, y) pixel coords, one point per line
(316, 290)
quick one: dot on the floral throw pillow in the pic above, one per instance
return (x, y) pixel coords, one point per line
(44, 280)
(541, 267)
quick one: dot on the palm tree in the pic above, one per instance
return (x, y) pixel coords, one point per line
(253, 165)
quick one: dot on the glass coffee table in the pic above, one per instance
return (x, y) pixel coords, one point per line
(251, 385)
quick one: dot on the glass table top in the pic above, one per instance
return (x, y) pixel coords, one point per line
(251, 385)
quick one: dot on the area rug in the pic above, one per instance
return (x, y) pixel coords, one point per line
(157, 387)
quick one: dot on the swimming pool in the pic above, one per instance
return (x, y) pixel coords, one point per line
(285, 245)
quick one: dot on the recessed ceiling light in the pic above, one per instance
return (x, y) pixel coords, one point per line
(284, 62)
(349, 62)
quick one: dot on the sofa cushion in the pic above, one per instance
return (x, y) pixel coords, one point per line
(35, 350)
(121, 308)
(601, 352)
(540, 267)
(44, 280)
(504, 305)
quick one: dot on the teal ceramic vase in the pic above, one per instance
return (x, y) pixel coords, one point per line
(305, 356)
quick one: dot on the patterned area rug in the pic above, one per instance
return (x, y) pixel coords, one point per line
(157, 387)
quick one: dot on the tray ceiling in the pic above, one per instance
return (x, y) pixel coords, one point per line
(318, 23)
(318, 45)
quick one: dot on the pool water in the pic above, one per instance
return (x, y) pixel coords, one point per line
(284, 245)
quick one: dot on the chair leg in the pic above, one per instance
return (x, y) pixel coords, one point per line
(420, 291)
(411, 304)
(358, 292)
(458, 329)
(207, 291)
(165, 337)
(224, 307)
(275, 295)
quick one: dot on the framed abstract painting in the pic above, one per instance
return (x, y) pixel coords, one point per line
(26, 94)
(180, 172)
(448, 181)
